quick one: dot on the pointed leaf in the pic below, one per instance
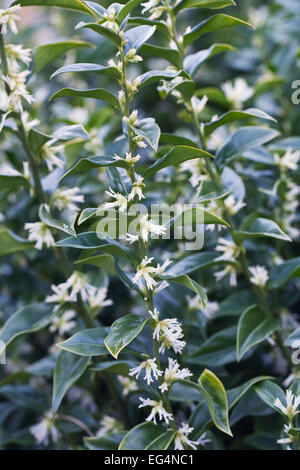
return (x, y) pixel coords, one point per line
(47, 53)
(142, 436)
(96, 94)
(193, 62)
(88, 342)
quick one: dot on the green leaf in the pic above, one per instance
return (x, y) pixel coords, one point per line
(220, 348)
(232, 116)
(268, 392)
(235, 394)
(253, 328)
(69, 368)
(154, 76)
(214, 23)
(263, 228)
(76, 5)
(196, 215)
(85, 164)
(49, 220)
(96, 94)
(186, 281)
(114, 367)
(137, 36)
(87, 67)
(88, 342)
(28, 319)
(163, 441)
(284, 272)
(107, 442)
(90, 240)
(293, 338)
(142, 436)
(214, 4)
(13, 182)
(99, 29)
(193, 62)
(216, 399)
(101, 261)
(47, 53)
(126, 9)
(12, 243)
(192, 263)
(174, 139)
(242, 140)
(175, 156)
(123, 332)
(149, 131)
(171, 55)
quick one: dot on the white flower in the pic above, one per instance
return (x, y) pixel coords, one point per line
(232, 206)
(157, 409)
(8, 17)
(228, 271)
(289, 439)
(172, 340)
(153, 7)
(60, 295)
(129, 385)
(128, 158)
(46, 428)
(195, 167)
(237, 92)
(17, 85)
(289, 160)
(15, 52)
(148, 227)
(49, 154)
(65, 199)
(132, 56)
(109, 424)
(260, 275)
(150, 367)
(137, 189)
(196, 304)
(181, 438)
(292, 404)
(118, 66)
(39, 232)
(97, 297)
(79, 285)
(172, 373)
(120, 201)
(199, 105)
(64, 323)
(110, 18)
(210, 309)
(145, 272)
(230, 250)
(27, 123)
(132, 119)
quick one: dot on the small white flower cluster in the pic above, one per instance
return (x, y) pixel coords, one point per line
(231, 253)
(154, 8)
(194, 303)
(78, 284)
(66, 199)
(40, 233)
(237, 92)
(109, 424)
(289, 161)
(49, 153)
(259, 276)
(13, 85)
(168, 332)
(290, 206)
(290, 409)
(45, 429)
(121, 201)
(146, 275)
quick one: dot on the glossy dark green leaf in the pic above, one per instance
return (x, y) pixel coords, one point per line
(11, 243)
(154, 76)
(106, 32)
(171, 55)
(13, 181)
(101, 261)
(137, 36)
(47, 53)
(192, 263)
(126, 9)
(88, 342)
(293, 339)
(216, 398)
(213, 23)
(175, 156)
(253, 328)
(232, 116)
(263, 228)
(77, 5)
(196, 215)
(186, 281)
(69, 368)
(284, 272)
(243, 139)
(63, 226)
(86, 67)
(219, 348)
(269, 392)
(96, 94)
(85, 164)
(148, 130)
(90, 240)
(115, 367)
(214, 4)
(142, 436)
(107, 442)
(162, 442)
(28, 319)
(193, 62)
(123, 332)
